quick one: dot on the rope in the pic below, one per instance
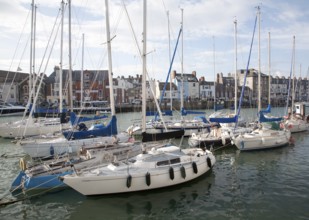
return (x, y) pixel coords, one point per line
(11, 201)
(11, 156)
(219, 148)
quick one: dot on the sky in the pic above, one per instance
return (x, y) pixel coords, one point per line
(207, 44)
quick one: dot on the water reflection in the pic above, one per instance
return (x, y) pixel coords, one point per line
(178, 201)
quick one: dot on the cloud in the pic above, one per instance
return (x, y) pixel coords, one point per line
(205, 23)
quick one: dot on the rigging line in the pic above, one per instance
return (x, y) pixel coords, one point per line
(141, 56)
(167, 11)
(79, 25)
(31, 92)
(41, 80)
(15, 74)
(101, 61)
(23, 192)
(15, 52)
(245, 78)
(48, 44)
(77, 51)
(289, 86)
(169, 71)
(19, 40)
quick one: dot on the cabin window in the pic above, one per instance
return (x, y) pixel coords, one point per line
(168, 162)
(163, 163)
(176, 160)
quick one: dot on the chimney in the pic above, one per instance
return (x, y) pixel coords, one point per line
(173, 74)
(194, 73)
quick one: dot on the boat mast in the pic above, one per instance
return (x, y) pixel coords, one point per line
(109, 52)
(70, 60)
(61, 58)
(31, 51)
(33, 79)
(214, 57)
(182, 86)
(293, 75)
(144, 67)
(269, 68)
(236, 87)
(82, 74)
(259, 63)
(169, 55)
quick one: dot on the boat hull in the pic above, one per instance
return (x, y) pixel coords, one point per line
(139, 180)
(58, 146)
(46, 176)
(32, 130)
(296, 126)
(262, 139)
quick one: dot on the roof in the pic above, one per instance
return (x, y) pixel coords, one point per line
(161, 86)
(9, 76)
(187, 77)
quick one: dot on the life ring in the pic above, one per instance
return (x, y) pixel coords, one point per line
(194, 166)
(171, 172)
(281, 125)
(129, 181)
(22, 164)
(290, 126)
(208, 160)
(183, 172)
(148, 180)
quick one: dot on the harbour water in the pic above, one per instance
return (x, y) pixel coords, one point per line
(270, 184)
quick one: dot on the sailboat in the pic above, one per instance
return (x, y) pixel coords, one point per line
(38, 175)
(221, 135)
(157, 168)
(198, 123)
(98, 135)
(264, 137)
(99, 130)
(45, 175)
(31, 126)
(298, 121)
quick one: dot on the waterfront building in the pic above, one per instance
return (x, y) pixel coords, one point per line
(14, 87)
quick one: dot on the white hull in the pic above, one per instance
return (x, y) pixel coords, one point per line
(57, 146)
(115, 179)
(261, 139)
(32, 127)
(7, 109)
(221, 136)
(296, 125)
